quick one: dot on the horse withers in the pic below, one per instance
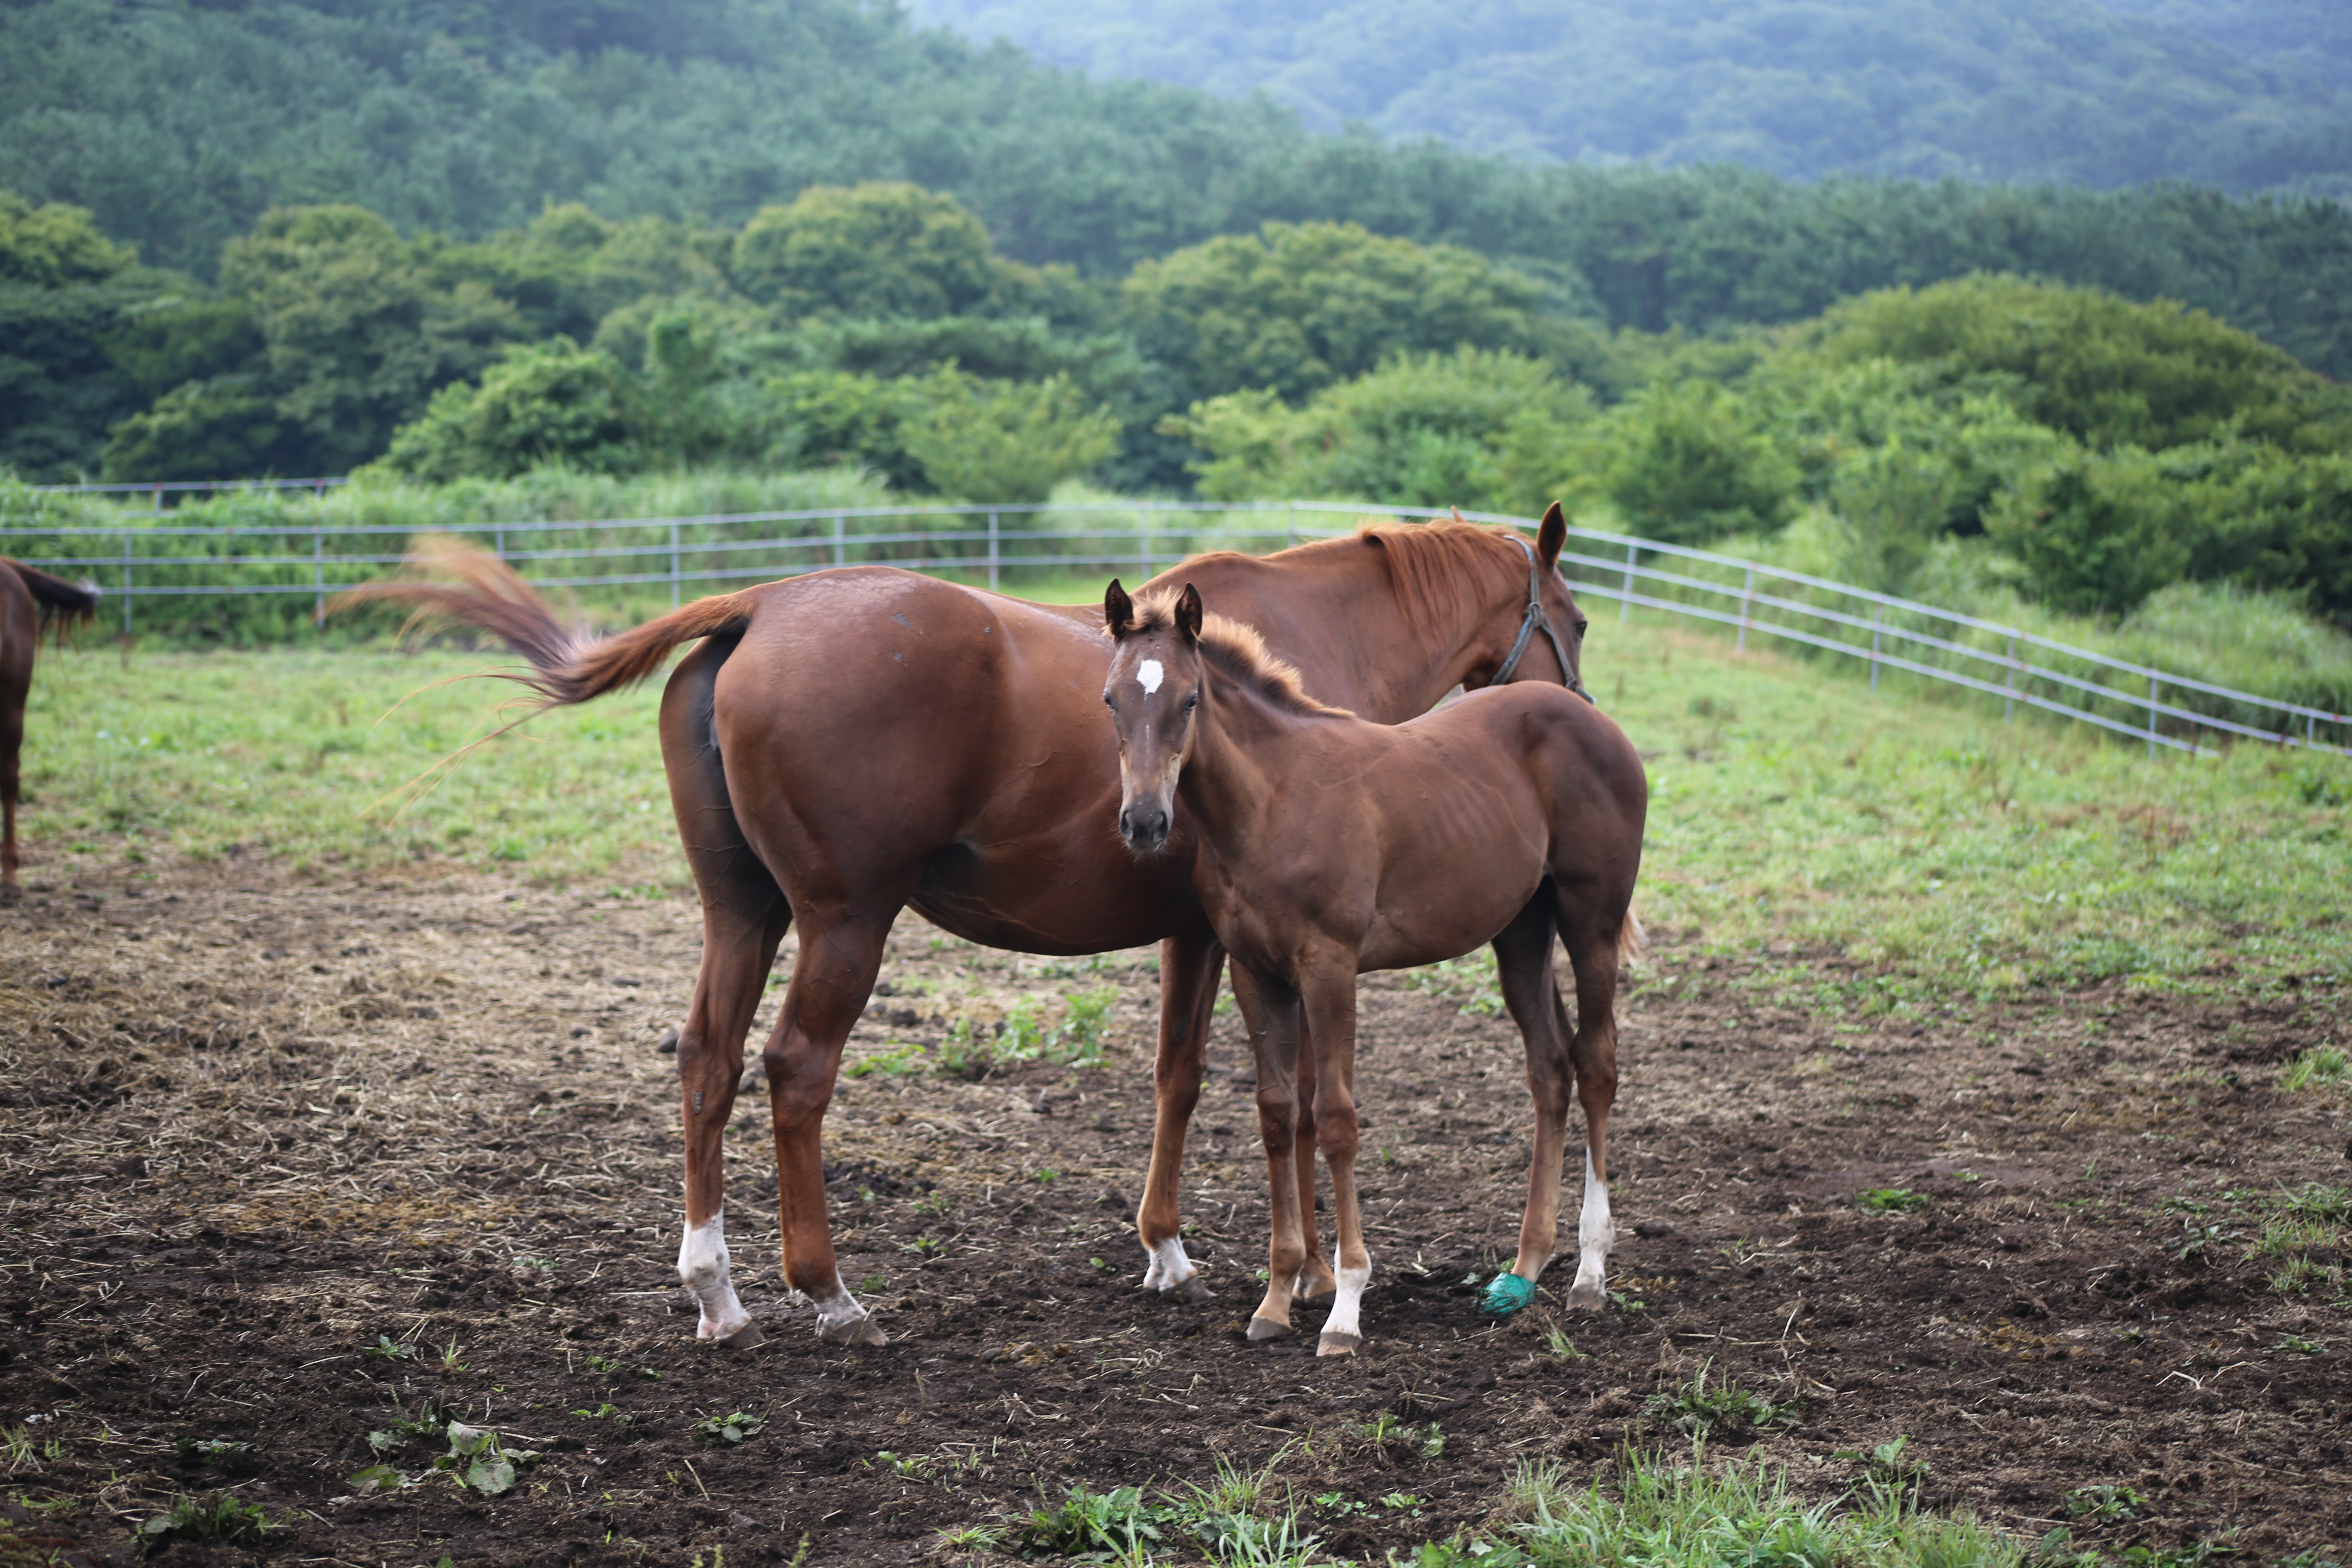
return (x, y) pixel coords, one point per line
(850, 743)
(1327, 846)
(32, 602)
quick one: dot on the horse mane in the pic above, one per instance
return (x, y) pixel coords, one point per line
(1237, 650)
(1438, 568)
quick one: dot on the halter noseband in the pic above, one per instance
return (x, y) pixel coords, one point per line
(1536, 620)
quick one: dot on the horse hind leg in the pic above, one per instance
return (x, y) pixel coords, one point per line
(1523, 964)
(744, 917)
(1592, 948)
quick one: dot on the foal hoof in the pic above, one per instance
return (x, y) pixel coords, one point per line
(1338, 1344)
(1187, 1289)
(1262, 1329)
(748, 1337)
(1586, 1296)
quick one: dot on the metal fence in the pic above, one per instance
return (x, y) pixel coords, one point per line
(165, 567)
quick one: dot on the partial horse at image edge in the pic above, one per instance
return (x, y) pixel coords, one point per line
(33, 603)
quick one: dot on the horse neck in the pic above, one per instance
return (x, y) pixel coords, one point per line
(1319, 612)
(1240, 745)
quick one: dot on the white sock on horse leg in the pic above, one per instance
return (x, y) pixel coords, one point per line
(1346, 1304)
(1169, 1267)
(1596, 1233)
(702, 1264)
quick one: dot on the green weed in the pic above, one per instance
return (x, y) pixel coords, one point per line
(2316, 1068)
(1890, 1200)
(389, 1349)
(726, 1431)
(1726, 1408)
(2105, 1504)
(216, 1517)
(1559, 1347)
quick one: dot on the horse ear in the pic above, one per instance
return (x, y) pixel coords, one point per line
(1550, 536)
(1188, 613)
(1118, 610)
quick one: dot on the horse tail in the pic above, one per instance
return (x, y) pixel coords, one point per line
(1632, 942)
(59, 603)
(569, 663)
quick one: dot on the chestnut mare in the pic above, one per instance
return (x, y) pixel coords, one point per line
(31, 603)
(851, 741)
(1327, 846)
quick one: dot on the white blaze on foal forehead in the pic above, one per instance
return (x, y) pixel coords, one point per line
(1148, 675)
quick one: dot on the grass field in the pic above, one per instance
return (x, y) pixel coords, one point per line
(1935, 847)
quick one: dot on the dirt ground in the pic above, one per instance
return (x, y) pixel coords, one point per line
(249, 1124)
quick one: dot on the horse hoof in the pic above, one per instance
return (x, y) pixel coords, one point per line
(1338, 1344)
(1586, 1297)
(748, 1337)
(1507, 1294)
(1261, 1329)
(1187, 1289)
(863, 1332)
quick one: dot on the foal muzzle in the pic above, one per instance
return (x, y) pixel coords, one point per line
(1144, 827)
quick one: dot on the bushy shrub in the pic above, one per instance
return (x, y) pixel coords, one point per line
(1484, 430)
(1003, 440)
(551, 401)
(1688, 462)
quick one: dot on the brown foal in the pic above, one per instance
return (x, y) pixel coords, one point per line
(1326, 847)
(844, 744)
(31, 602)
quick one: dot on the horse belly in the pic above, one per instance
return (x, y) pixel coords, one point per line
(1062, 903)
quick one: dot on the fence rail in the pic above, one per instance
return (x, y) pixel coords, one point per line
(165, 566)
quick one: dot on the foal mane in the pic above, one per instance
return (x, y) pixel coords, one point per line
(1238, 651)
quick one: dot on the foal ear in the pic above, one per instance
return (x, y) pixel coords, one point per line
(1188, 613)
(1118, 610)
(1550, 536)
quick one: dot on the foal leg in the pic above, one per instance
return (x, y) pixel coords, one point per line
(1314, 1283)
(1593, 1054)
(1331, 1007)
(840, 954)
(744, 916)
(1523, 961)
(1189, 966)
(1274, 1040)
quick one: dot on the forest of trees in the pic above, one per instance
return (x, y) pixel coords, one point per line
(2241, 94)
(443, 239)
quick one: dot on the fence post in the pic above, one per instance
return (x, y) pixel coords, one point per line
(840, 541)
(1291, 539)
(1625, 599)
(318, 576)
(126, 572)
(498, 543)
(1747, 597)
(2154, 685)
(673, 565)
(1143, 540)
(1877, 614)
(2008, 703)
(993, 559)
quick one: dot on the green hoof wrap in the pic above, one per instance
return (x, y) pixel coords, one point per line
(1507, 1295)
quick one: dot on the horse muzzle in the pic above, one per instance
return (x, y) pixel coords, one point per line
(1144, 828)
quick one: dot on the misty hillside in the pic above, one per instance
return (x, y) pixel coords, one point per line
(2235, 93)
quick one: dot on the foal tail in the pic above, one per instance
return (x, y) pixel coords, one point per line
(452, 580)
(1632, 942)
(59, 603)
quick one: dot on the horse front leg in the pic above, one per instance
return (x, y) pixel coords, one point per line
(1314, 1283)
(1272, 1014)
(1189, 966)
(1330, 1009)
(839, 957)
